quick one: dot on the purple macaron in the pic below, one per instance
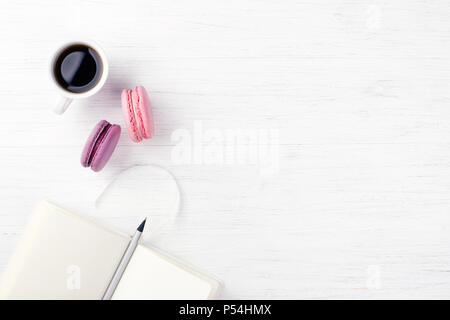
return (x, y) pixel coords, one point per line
(100, 145)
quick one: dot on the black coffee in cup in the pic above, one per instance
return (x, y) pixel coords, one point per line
(78, 68)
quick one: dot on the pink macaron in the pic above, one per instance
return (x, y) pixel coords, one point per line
(138, 113)
(100, 145)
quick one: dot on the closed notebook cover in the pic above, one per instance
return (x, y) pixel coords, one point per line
(64, 256)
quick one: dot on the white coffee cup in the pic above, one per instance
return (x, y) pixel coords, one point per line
(68, 96)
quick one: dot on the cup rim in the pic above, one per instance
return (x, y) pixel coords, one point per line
(94, 89)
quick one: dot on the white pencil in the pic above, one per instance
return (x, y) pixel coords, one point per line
(123, 262)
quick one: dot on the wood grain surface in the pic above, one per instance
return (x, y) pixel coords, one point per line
(354, 94)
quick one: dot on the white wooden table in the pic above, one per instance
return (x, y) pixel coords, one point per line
(356, 94)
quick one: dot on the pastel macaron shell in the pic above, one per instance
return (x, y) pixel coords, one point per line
(128, 113)
(100, 145)
(143, 112)
(90, 142)
(106, 148)
(137, 112)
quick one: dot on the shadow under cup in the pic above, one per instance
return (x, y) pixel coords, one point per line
(78, 68)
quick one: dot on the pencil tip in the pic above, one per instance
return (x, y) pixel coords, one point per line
(141, 226)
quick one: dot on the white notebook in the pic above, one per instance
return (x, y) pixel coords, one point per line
(64, 256)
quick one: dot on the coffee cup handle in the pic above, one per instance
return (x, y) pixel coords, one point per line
(62, 105)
